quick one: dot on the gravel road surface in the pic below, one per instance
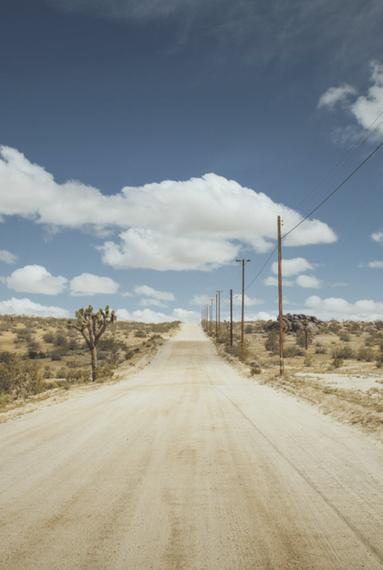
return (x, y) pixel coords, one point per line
(188, 465)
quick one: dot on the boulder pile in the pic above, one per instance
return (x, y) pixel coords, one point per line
(294, 323)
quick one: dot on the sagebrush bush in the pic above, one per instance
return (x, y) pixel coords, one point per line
(365, 353)
(20, 378)
(293, 350)
(343, 352)
(272, 342)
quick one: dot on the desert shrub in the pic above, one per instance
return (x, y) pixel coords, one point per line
(80, 376)
(6, 357)
(35, 354)
(72, 344)
(308, 360)
(333, 327)
(49, 337)
(105, 372)
(60, 340)
(343, 352)
(249, 329)
(303, 336)
(365, 353)
(293, 350)
(20, 378)
(272, 342)
(255, 368)
(140, 333)
(47, 372)
(62, 372)
(336, 362)
(320, 349)
(129, 354)
(344, 336)
(57, 355)
(373, 339)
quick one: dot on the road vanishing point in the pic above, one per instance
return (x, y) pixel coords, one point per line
(188, 465)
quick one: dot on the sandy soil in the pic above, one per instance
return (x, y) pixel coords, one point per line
(345, 381)
(188, 465)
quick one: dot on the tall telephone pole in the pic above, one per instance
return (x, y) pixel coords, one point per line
(231, 317)
(219, 291)
(243, 263)
(216, 315)
(211, 316)
(280, 301)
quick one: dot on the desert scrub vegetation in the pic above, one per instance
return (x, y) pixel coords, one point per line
(19, 378)
(337, 365)
(41, 354)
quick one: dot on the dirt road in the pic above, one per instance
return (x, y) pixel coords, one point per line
(188, 466)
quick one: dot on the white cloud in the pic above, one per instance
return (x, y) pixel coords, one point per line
(35, 279)
(292, 266)
(335, 95)
(261, 316)
(201, 300)
(7, 257)
(150, 316)
(152, 293)
(211, 217)
(377, 236)
(273, 282)
(340, 309)
(249, 301)
(366, 108)
(27, 307)
(308, 282)
(375, 264)
(148, 302)
(89, 284)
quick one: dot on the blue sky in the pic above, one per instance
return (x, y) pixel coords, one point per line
(147, 144)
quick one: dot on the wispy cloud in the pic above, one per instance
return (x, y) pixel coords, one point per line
(335, 95)
(263, 30)
(377, 236)
(366, 109)
(308, 282)
(7, 256)
(375, 264)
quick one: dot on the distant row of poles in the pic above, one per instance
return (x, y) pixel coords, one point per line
(212, 322)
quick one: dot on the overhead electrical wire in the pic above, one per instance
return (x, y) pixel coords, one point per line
(319, 205)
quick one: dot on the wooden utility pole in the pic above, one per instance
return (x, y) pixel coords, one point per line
(243, 263)
(280, 298)
(211, 316)
(219, 291)
(216, 315)
(231, 317)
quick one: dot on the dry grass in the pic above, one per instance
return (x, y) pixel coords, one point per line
(54, 354)
(340, 372)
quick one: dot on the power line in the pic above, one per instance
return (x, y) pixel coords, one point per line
(317, 207)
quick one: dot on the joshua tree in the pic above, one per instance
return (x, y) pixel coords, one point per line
(92, 326)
